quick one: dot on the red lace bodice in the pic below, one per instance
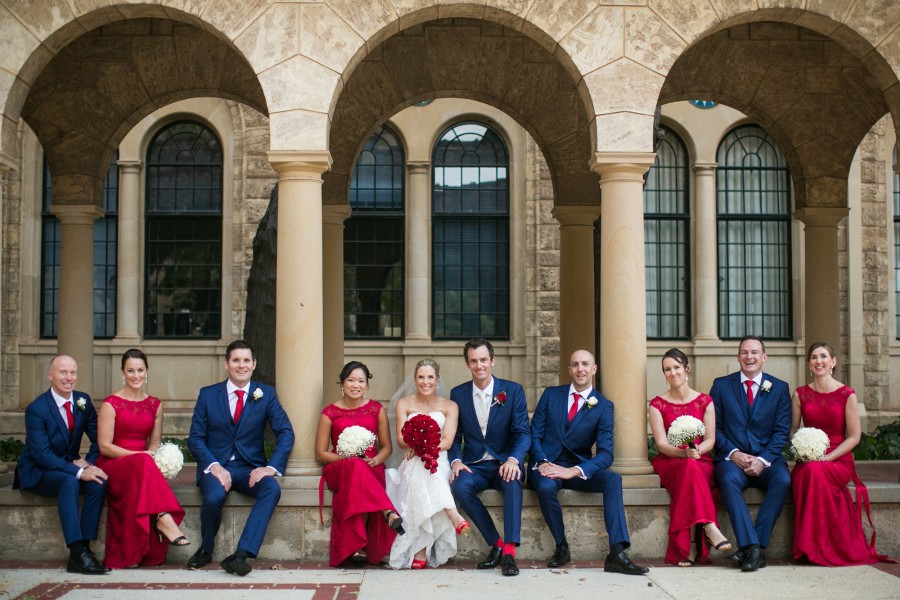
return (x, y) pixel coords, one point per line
(134, 421)
(671, 411)
(364, 416)
(825, 411)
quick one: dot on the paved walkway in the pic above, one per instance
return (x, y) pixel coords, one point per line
(302, 581)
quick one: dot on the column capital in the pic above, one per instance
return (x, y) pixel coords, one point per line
(335, 214)
(622, 165)
(821, 216)
(130, 166)
(576, 215)
(418, 166)
(704, 167)
(305, 164)
(77, 214)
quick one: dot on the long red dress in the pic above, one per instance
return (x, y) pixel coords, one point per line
(827, 526)
(358, 490)
(689, 483)
(136, 490)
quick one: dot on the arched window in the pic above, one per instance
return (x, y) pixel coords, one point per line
(183, 266)
(753, 203)
(373, 241)
(470, 227)
(896, 244)
(105, 247)
(667, 241)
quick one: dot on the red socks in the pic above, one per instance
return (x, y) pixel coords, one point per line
(509, 549)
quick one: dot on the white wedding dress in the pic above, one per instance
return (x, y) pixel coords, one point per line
(421, 497)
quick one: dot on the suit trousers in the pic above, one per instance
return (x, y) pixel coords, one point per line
(604, 482)
(66, 489)
(774, 481)
(484, 475)
(266, 492)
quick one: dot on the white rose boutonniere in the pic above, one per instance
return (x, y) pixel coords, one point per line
(81, 403)
(257, 393)
(766, 386)
(591, 402)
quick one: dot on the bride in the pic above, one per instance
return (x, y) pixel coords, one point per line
(424, 498)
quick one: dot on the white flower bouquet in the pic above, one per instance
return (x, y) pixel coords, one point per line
(354, 441)
(809, 444)
(684, 430)
(169, 459)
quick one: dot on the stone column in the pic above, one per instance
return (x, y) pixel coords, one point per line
(129, 307)
(822, 304)
(623, 308)
(5, 165)
(75, 328)
(706, 280)
(576, 272)
(333, 217)
(418, 251)
(299, 360)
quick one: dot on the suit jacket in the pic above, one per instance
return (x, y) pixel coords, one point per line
(48, 444)
(552, 434)
(507, 429)
(214, 437)
(761, 430)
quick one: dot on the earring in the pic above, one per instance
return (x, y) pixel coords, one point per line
(832, 371)
(123, 380)
(146, 379)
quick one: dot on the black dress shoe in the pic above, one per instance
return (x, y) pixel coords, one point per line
(492, 560)
(85, 564)
(508, 565)
(97, 560)
(620, 563)
(737, 559)
(754, 560)
(199, 560)
(560, 557)
(237, 563)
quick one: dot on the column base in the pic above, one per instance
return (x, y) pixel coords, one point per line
(303, 468)
(632, 466)
(640, 481)
(301, 482)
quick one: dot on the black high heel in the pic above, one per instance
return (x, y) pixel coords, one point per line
(176, 542)
(396, 524)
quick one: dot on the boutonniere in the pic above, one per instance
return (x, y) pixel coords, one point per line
(81, 403)
(500, 399)
(257, 393)
(591, 402)
(766, 386)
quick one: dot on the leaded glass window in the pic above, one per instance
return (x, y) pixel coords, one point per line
(753, 202)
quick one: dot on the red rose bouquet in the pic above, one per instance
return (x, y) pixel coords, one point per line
(423, 435)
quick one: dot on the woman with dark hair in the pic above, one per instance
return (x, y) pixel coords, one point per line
(686, 470)
(364, 522)
(827, 526)
(143, 513)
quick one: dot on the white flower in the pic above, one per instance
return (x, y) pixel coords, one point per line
(169, 459)
(766, 385)
(809, 444)
(257, 393)
(354, 441)
(81, 403)
(591, 402)
(684, 430)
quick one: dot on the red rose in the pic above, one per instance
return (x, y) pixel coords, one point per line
(423, 435)
(500, 398)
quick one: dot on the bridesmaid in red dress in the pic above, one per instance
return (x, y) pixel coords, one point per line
(364, 522)
(143, 513)
(686, 473)
(827, 526)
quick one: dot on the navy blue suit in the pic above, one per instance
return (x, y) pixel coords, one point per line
(555, 439)
(506, 436)
(45, 466)
(214, 437)
(761, 430)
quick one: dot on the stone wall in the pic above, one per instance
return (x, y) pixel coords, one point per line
(11, 302)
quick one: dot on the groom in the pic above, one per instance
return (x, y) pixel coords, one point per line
(568, 422)
(493, 433)
(226, 438)
(753, 419)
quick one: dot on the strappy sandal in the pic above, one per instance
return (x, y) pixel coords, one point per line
(360, 556)
(177, 541)
(723, 545)
(396, 523)
(463, 528)
(418, 564)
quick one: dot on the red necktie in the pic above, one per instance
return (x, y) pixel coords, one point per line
(749, 384)
(573, 410)
(70, 419)
(239, 407)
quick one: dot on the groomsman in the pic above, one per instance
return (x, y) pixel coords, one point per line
(753, 419)
(51, 464)
(493, 433)
(568, 421)
(226, 438)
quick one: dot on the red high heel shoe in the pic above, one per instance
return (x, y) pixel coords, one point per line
(418, 564)
(463, 528)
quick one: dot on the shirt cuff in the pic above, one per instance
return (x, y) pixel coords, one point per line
(763, 461)
(513, 458)
(537, 464)
(580, 470)
(78, 474)
(730, 453)
(207, 469)
(277, 472)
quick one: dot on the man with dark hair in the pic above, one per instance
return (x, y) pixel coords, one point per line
(226, 438)
(493, 434)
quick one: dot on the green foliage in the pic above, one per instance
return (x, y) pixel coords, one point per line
(182, 444)
(10, 449)
(884, 444)
(652, 450)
